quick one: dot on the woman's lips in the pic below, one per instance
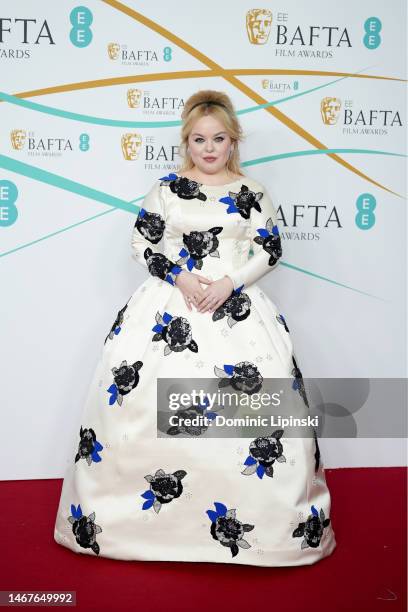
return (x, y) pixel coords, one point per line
(210, 159)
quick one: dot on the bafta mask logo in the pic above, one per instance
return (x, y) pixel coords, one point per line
(131, 144)
(330, 110)
(258, 25)
(134, 97)
(113, 51)
(18, 138)
(265, 84)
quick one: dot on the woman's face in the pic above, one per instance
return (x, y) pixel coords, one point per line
(208, 139)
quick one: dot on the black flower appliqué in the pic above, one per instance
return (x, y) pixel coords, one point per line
(150, 225)
(312, 529)
(191, 421)
(88, 447)
(175, 331)
(227, 529)
(236, 307)
(160, 265)
(270, 240)
(126, 379)
(199, 245)
(263, 452)
(118, 322)
(183, 187)
(244, 376)
(163, 489)
(243, 201)
(84, 528)
(298, 384)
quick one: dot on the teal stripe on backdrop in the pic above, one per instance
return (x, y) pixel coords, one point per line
(50, 178)
(44, 176)
(14, 165)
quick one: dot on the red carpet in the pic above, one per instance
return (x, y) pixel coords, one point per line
(366, 572)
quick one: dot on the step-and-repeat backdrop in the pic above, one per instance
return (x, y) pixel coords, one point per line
(90, 103)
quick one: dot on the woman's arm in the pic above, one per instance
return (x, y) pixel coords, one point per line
(265, 242)
(147, 235)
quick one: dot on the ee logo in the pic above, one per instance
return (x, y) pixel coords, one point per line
(365, 205)
(81, 19)
(372, 29)
(8, 208)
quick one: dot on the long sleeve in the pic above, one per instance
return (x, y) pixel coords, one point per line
(265, 244)
(147, 237)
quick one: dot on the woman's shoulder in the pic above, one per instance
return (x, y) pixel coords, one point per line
(252, 183)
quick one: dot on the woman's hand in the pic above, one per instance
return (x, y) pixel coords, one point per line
(215, 294)
(189, 285)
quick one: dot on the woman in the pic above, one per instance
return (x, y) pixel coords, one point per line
(145, 485)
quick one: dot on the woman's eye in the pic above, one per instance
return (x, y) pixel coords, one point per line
(221, 138)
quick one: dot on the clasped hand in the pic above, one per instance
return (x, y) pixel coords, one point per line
(207, 299)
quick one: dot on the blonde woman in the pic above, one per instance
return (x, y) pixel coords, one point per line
(149, 483)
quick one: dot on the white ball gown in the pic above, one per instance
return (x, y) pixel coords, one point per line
(131, 494)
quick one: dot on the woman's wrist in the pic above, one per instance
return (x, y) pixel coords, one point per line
(231, 281)
(179, 273)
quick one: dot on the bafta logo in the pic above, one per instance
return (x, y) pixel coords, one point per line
(17, 139)
(113, 51)
(258, 25)
(131, 144)
(265, 84)
(133, 97)
(330, 110)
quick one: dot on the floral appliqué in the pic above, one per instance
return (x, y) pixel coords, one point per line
(236, 307)
(199, 245)
(160, 265)
(263, 452)
(186, 416)
(183, 187)
(163, 489)
(312, 529)
(175, 331)
(88, 447)
(298, 384)
(150, 225)
(126, 379)
(270, 240)
(227, 529)
(84, 528)
(118, 322)
(243, 376)
(243, 201)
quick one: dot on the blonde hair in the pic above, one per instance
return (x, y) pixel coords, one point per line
(225, 114)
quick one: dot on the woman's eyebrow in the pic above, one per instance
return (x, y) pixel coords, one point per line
(197, 134)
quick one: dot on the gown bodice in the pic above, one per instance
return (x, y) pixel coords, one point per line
(210, 229)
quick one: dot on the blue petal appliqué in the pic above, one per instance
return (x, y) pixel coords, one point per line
(76, 512)
(114, 391)
(231, 202)
(260, 470)
(169, 177)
